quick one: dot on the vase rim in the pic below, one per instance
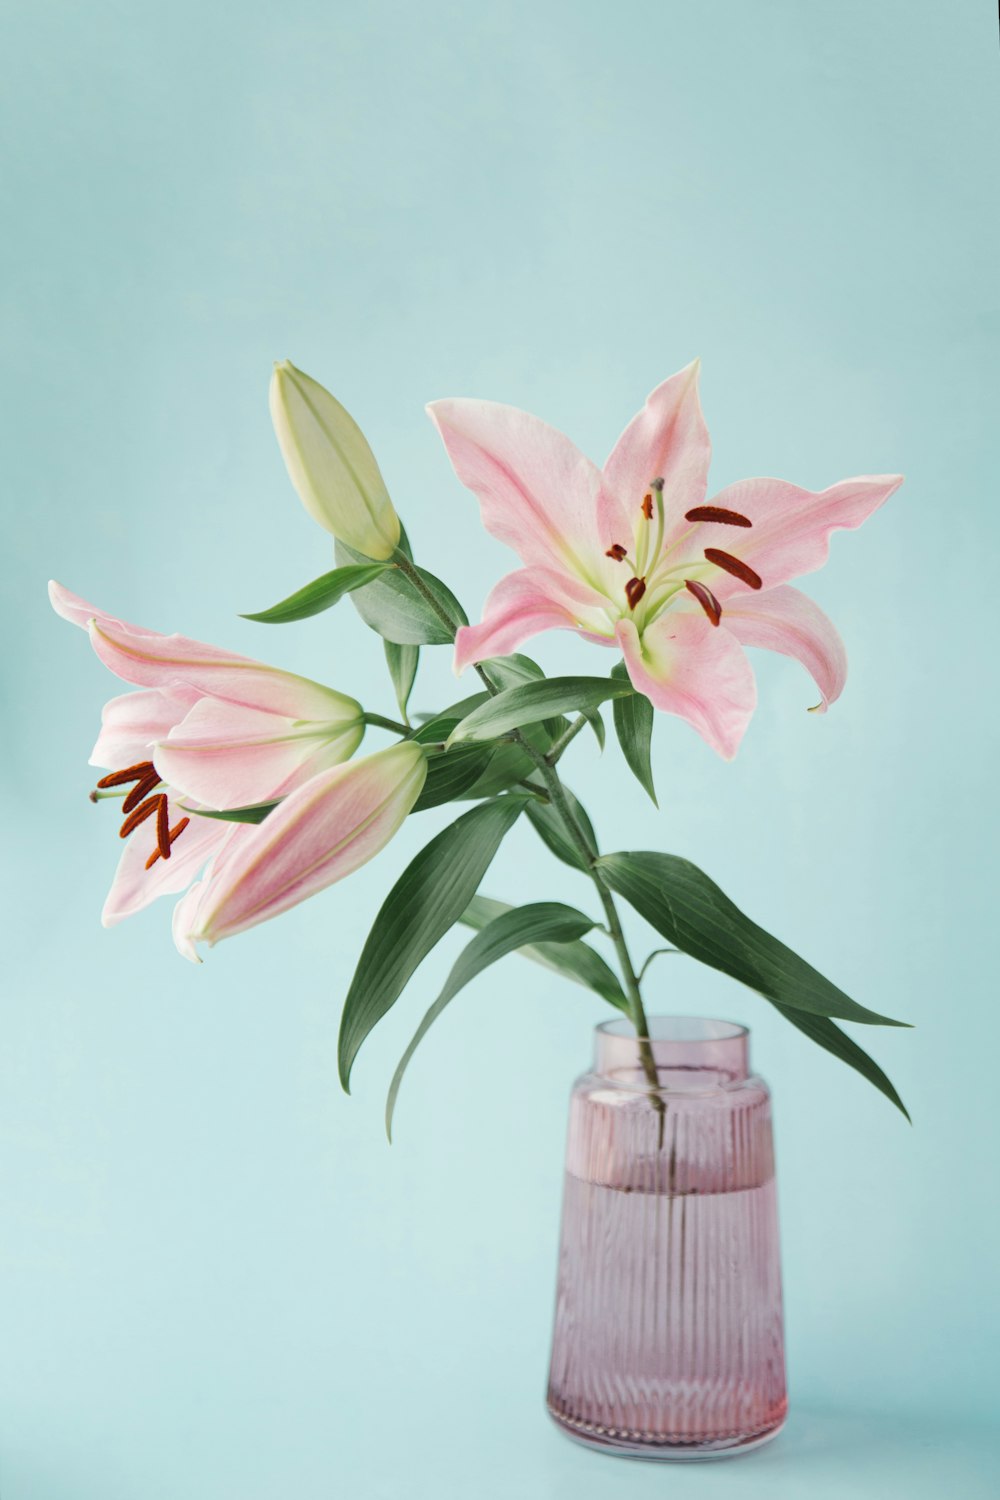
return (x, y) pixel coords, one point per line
(671, 1028)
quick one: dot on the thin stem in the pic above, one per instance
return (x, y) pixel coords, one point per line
(556, 749)
(579, 837)
(378, 721)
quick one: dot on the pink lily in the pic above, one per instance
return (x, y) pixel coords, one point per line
(323, 831)
(209, 730)
(632, 555)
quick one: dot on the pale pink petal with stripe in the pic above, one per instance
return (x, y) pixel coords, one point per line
(689, 667)
(787, 621)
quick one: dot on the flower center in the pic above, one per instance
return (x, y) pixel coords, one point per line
(143, 802)
(656, 581)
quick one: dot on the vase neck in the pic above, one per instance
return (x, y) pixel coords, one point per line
(687, 1050)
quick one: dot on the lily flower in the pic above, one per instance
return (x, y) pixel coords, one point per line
(323, 831)
(632, 556)
(209, 729)
(330, 463)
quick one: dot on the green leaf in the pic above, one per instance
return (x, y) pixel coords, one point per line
(823, 1031)
(321, 594)
(392, 606)
(690, 910)
(255, 814)
(440, 725)
(576, 961)
(593, 718)
(511, 671)
(547, 921)
(548, 824)
(427, 899)
(533, 701)
(506, 765)
(452, 774)
(402, 662)
(634, 728)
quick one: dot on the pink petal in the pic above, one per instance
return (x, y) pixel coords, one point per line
(134, 887)
(132, 722)
(667, 440)
(521, 605)
(537, 492)
(323, 831)
(225, 755)
(791, 527)
(689, 667)
(149, 659)
(785, 620)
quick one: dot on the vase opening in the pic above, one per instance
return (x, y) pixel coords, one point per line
(689, 1052)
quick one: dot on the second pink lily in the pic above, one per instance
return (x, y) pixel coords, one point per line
(632, 556)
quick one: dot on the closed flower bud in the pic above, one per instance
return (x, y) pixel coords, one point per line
(331, 465)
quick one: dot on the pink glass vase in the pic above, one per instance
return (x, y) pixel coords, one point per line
(668, 1335)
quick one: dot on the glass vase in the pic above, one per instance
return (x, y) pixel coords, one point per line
(668, 1338)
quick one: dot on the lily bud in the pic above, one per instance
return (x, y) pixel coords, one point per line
(324, 830)
(330, 464)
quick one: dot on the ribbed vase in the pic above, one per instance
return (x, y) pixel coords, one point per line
(668, 1337)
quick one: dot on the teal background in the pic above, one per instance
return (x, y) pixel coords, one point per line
(217, 1279)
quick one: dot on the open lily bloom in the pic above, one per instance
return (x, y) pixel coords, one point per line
(208, 729)
(241, 733)
(156, 860)
(632, 556)
(325, 830)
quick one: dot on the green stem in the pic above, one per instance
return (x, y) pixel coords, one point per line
(379, 721)
(579, 837)
(566, 738)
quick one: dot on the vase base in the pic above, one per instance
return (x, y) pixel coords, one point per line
(637, 1445)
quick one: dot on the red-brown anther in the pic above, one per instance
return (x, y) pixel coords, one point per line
(705, 598)
(131, 773)
(634, 590)
(717, 514)
(732, 565)
(177, 828)
(163, 827)
(141, 813)
(140, 791)
(617, 551)
(647, 507)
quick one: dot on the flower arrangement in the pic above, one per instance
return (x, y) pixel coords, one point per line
(240, 786)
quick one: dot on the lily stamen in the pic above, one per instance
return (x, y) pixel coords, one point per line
(178, 828)
(732, 565)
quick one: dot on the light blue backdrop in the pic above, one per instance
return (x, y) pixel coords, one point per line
(217, 1279)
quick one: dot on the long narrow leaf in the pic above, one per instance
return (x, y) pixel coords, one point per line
(825, 1033)
(452, 774)
(634, 728)
(547, 921)
(427, 899)
(690, 910)
(392, 606)
(548, 824)
(576, 961)
(321, 594)
(255, 814)
(402, 662)
(534, 701)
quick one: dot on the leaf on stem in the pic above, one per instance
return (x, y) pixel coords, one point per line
(321, 594)
(427, 899)
(392, 606)
(255, 814)
(402, 662)
(829, 1036)
(634, 728)
(576, 961)
(545, 921)
(548, 824)
(532, 702)
(690, 910)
